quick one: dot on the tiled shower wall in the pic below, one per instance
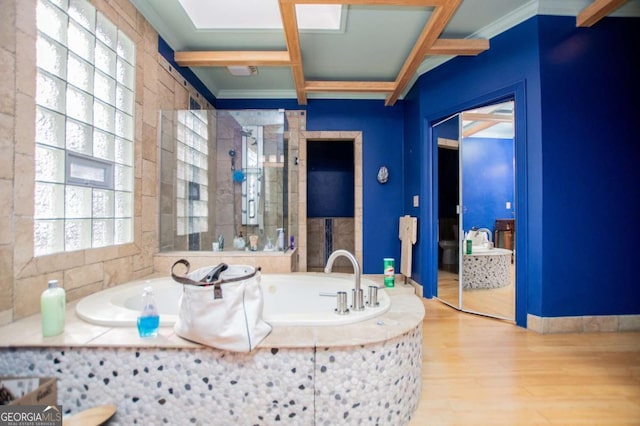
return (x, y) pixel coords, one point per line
(228, 138)
(158, 87)
(295, 125)
(325, 235)
(297, 137)
(229, 192)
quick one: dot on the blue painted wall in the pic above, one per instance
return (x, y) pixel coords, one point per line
(577, 193)
(330, 179)
(590, 96)
(510, 69)
(487, 181)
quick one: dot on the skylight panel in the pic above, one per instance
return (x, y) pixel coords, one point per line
(258, 15)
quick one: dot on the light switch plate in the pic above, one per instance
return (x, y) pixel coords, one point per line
(416, 201)
(508, 205)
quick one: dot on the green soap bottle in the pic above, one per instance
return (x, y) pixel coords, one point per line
(52, 309)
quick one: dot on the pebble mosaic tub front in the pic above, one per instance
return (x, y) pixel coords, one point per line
(368, 372)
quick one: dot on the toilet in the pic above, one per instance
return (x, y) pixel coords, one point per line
(450, 249)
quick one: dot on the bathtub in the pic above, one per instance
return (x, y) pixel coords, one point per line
(486, 268)
(298, 375)
(305, 299)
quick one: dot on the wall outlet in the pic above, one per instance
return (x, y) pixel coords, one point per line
(416, 201)
(508, 205)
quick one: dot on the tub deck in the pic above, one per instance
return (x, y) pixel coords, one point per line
(405, 313)
(362, 373)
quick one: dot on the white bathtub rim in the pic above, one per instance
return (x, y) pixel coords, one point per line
(483, 251)
(114, 315)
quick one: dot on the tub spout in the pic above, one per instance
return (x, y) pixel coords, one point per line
(358, 304)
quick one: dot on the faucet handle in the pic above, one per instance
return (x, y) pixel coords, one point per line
(341, 308)
(373, 296)
(358, 299)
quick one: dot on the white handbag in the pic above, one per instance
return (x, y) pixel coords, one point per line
(221, 306)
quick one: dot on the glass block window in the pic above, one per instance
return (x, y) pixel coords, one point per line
(191, 172)
(84, 129)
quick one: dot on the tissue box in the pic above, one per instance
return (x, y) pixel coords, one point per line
(31, 390)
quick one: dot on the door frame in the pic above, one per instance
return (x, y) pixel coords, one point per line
(328, 136)
(429, 185)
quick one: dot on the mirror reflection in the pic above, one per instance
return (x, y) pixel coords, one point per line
(488, 213)
(476, 210)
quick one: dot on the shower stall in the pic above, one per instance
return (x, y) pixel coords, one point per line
(223, 178)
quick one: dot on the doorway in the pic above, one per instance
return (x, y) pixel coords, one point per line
(297, 138)
(476, 210)
(330, 202)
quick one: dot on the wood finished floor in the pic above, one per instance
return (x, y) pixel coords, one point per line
(498, 302)
(482, 371)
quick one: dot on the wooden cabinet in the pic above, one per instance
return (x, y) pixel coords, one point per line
(504, 233)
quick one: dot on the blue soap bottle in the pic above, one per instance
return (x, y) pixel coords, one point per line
(149, 320)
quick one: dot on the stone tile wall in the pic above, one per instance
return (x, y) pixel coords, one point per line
(158, 86)
(342, 237)
(297, 136)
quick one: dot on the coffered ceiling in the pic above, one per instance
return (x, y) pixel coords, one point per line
(371, 49)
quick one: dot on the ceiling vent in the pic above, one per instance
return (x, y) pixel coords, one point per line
(242, 71)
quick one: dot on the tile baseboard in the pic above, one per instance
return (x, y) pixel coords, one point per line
(583, 324)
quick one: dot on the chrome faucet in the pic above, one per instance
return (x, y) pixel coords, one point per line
(488, 232)
(358, 304)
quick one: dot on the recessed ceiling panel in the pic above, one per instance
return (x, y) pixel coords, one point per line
(374, 45)
(476, 15)
(276, 79)
(257, 15)
(174, 25)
